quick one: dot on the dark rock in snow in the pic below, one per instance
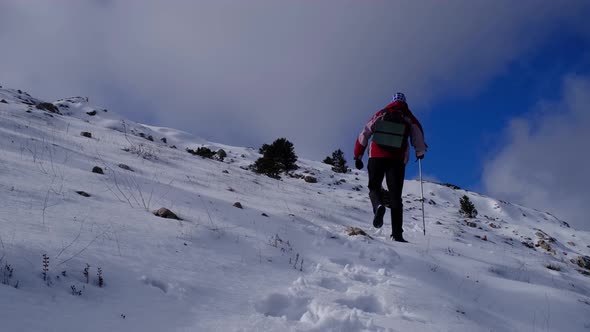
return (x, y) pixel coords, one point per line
(238, 205)
(125, 167)
(97, 170)
(48, 107)
(164, 140)
(83, 193)
(165, 213)
(86, 134)
(93, 113)
(546, 246)
(3, 101)
(484, 238)
(544, 236)
(582, 261)
(265, 215)
(310, 179)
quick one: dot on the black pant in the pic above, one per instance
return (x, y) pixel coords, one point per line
(394, 171)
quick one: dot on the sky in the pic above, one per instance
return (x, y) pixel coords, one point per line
(498, 85)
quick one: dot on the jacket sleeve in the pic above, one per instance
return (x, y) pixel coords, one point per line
(363, 139)
(416, 135)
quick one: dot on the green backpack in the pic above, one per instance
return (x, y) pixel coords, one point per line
(391, 132)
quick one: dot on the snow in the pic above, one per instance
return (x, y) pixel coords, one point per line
(221, 268)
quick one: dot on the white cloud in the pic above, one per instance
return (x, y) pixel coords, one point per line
(545, 163)
(246, 72)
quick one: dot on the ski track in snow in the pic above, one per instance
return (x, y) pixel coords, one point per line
(221, 268)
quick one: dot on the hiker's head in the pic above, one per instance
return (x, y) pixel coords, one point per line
(398, 96)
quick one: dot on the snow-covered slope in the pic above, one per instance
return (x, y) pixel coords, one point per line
(281, 263)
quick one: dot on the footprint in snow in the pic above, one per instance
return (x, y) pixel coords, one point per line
(366, 303)
(405, 314)
(341, 261)
(363, 279)
(360, 275)
(333, 284)
(279, 305)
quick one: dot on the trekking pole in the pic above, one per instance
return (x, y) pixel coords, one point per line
(422, 191)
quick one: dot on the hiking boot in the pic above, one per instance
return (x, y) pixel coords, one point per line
(378, 219)
(397, 238)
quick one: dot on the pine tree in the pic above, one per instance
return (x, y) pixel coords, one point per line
(338, 162)
(277, 157)
(467, 208)
(329, 161)
(268, 167)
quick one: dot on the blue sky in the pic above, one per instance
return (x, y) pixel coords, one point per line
(500, 86)
(464, 132)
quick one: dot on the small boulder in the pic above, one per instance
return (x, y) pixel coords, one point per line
(164, 140)
(225, 171)
(353, 231)
(165, 213)
(582, 261)
(265, 215)
(544, 236)
(546, 246)
(93, 113)
(3, 101)
(83, 193)
(238, 205)
(470, 224)
(86, 134)
(97, 170)
(310, 179)
(492, 225)
(47, 107)
(125, 167)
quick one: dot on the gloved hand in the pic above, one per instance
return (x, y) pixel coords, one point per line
(358, 164)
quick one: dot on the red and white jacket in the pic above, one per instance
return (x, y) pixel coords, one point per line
(416, 135)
